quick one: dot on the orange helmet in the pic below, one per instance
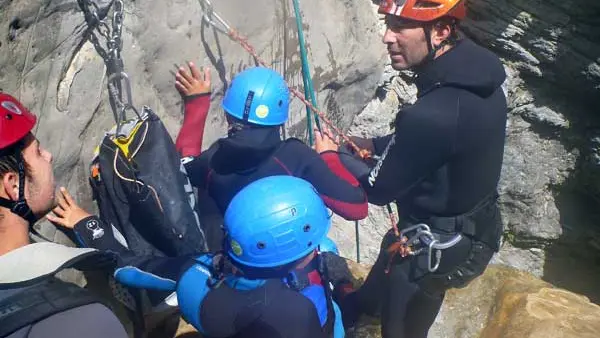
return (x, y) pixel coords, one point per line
(424, 10)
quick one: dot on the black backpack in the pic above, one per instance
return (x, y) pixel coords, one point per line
(143, 192)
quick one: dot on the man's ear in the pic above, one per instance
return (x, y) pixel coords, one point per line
(440, 31)
(10, 186)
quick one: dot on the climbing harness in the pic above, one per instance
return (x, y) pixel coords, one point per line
(421, 240)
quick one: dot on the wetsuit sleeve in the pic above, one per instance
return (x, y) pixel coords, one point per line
(421, 144)
(339, 189)
(380, 143)
(198, 168)
(189, 140)
(91, 232)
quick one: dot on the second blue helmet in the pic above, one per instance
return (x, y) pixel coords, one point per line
(275, 221)
(258, 95)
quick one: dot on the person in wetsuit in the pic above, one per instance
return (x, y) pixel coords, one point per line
(441, 166)
(33, 302)
(271, 282)
(256, 106)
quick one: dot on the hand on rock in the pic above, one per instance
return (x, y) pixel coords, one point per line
(194, 82)
(67, 214)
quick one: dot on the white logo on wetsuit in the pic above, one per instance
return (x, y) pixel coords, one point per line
(93, 226)
(375, 172)
(187, 159)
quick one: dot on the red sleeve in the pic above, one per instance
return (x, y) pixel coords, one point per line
(332, 159)
(189, 140)
(346, 209)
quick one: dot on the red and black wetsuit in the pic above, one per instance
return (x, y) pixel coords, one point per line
(249, 154)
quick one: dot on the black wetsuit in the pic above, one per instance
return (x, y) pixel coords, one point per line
(441, 166)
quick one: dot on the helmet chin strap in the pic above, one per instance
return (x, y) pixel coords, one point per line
(20, 207)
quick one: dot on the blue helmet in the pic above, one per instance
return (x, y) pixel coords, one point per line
(275, 221)
(258, 95)
(328, 245)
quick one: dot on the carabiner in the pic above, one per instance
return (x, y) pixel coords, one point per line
(438, 256)
(418, 228)
(209, 13)
(123, 78)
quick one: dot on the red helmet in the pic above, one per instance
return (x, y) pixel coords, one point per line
(424, 10)
(15, 121)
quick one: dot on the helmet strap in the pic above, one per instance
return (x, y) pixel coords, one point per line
(20, 207)
(248, 105)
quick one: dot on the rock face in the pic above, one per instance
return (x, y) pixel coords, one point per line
(503, 302)
(553, 87)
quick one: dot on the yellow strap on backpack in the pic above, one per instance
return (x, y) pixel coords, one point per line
(124, 142)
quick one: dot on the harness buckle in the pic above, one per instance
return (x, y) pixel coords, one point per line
(423, 240)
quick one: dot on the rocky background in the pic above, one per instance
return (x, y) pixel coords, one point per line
(551, 50)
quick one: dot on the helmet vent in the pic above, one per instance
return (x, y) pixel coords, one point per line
(12, 107)
(9, 116)
(261, 245)
(427, 4)
(306, 228)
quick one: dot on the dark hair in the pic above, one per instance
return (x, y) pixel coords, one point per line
(8, 159)
(236, 125)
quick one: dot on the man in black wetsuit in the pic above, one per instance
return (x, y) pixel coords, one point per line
(441, 165)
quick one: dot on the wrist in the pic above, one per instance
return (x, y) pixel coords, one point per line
(192, 97)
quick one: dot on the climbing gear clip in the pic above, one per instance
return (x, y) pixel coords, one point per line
(422, 240)
(210, 15)
(116, 84)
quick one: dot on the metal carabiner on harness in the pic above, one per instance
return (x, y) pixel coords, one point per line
(209, 13)
(116, 81)
(424, 236)
(418, 228)
(434, 244)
